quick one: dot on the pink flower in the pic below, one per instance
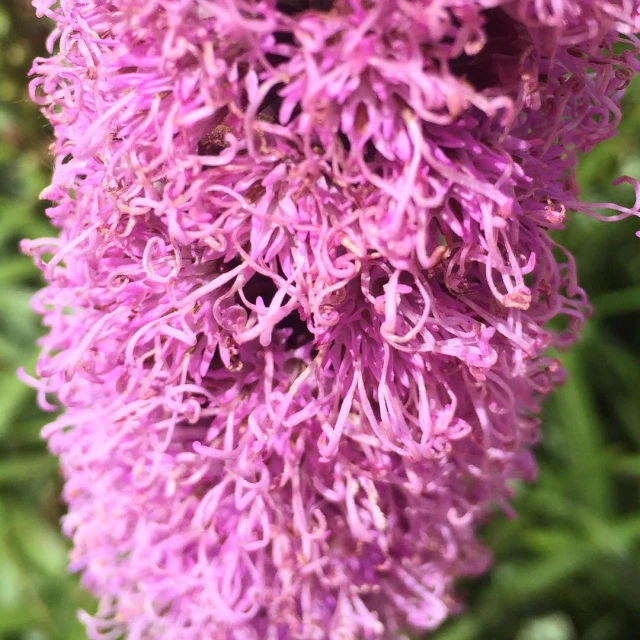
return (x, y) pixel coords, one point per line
(302, 291)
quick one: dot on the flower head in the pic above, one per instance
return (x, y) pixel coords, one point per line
(301, 295)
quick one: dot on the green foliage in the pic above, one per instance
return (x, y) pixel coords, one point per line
(568, 568)
(38, 599)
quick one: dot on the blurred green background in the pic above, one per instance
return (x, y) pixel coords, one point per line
(568, 568)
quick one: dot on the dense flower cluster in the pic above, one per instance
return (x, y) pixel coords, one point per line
(301, 294)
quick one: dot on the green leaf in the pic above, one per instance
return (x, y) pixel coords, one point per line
(557, 626)
(463, 628)
(16, 268)
(628, 465)
(13, 619)
(14, 395)
(39, 542)
(584, 443)
(519, 582)
(617, 303)
(25, 467)
(549, 541)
